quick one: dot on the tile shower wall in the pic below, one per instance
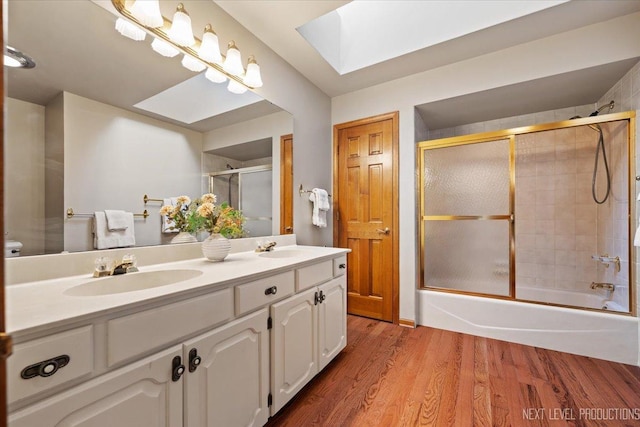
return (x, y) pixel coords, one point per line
(558, 225)
(626, 94)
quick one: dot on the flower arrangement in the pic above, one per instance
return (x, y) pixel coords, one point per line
(182, 215)
(219, 219)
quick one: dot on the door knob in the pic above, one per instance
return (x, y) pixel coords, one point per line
(385, 231)
(288, 228)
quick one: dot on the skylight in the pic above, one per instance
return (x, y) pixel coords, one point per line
(363, 33)
(196, 99)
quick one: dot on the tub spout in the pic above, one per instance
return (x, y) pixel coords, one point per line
(606, 286)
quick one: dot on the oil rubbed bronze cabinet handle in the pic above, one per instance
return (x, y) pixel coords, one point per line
(271, 291)
(194, 360)
(177, 368)
(45, 368)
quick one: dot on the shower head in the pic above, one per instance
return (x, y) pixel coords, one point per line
(610, 106)
(229, 166)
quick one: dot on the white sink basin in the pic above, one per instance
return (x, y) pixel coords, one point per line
(131, 282)
(283, 253)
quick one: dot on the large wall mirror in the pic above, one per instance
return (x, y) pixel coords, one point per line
(102, 121)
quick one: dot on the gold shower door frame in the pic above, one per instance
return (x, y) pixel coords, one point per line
(510, 134)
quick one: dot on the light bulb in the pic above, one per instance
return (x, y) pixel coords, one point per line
(235, 87)
(209, 48)
(233, 62)
(147, 12)
(191, 63)
(164, 48)
(215, 76)
(129, 30)
(252, 78)
(181, 32)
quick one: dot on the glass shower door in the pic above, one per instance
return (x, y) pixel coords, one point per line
(256, 202)
(467, 216)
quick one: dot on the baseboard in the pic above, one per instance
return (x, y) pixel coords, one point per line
(407, 323)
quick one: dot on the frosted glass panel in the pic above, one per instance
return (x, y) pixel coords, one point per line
(256, 201)
(470, 256)
(468, 179)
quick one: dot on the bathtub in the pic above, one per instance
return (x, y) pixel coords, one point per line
(588, 333)
(576, 299)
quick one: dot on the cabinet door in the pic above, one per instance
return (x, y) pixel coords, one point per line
(332, 320)
(140, 394)
(294, 354)
(230, 385)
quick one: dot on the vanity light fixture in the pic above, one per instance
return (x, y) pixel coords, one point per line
(252, 77)
(233, 61)
(210, 48)
(215, 76)
(16, 59)
(235, 87)
(173, 37)
(148, 13)
(192, 64)
(164, 48)
(129, 30)
(180, 32)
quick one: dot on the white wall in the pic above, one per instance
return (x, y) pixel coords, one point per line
(613, 40)
(24, 174)
(113, 157)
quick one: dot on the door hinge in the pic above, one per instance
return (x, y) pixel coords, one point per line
(269, 322)
(270, 400)
(6, 345)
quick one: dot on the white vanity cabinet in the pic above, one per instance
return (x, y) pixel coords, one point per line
(309, 330)
(227, 379)
(140, 394)
(231, 355)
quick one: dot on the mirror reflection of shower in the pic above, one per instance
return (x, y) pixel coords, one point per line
(248, 189)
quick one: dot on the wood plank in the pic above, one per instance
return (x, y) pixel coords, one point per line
(390, 376)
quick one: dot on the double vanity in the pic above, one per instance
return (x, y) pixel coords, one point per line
(181, 342)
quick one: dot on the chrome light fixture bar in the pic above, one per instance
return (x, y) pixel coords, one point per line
(217, 65)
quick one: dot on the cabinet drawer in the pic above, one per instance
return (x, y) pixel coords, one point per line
(339, 266)
(69, 355)
(312, 275)
(141, 332)
(263, 291)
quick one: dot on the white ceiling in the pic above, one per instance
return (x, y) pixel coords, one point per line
(111, 69)
(280, 34)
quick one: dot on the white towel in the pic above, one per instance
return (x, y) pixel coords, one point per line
(168, 224)
(105, 239)
(636, 240)
(116, 220)
(320, 200)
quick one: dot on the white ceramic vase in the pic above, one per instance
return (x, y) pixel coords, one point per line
(216, 247)
(184, 237)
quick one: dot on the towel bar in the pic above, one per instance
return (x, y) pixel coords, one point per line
(302, 191)
(71, 214)
(149, 199)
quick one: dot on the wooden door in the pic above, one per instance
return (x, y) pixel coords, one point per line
(229, 385)
(366, 213)
(286, 184)
(140, 394)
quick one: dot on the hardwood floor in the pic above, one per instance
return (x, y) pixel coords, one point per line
(394, 376)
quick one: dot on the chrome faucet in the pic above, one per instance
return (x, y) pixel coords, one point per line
(606, 286)
(266, 247)
(104, 266)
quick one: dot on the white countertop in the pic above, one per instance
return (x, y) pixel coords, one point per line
(34, 306)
